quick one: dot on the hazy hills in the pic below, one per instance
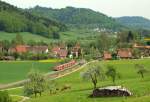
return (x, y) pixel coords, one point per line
(77, 16)
(135, 22)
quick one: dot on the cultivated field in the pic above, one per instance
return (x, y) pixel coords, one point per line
(80, 90)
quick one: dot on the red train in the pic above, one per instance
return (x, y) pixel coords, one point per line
(65, 66)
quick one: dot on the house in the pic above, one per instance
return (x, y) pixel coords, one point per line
(12, 50)
(107, 55)
(144, 49)
(60, 51)
(55, 50)
(124, 53)
(76, 50)
(141, 47)
(38, 49)
(26, 48)
(18, 49)
(21, 48)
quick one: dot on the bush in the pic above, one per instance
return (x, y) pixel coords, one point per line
(4, 97)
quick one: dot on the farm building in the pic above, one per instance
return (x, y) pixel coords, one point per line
(76, 50)
(144, 49)
(38, 49)
(124, 53)
(107, 55)
(60, 52)
(26, 48)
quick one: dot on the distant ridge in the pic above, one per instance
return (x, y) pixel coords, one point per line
(77, 16)
(135, 22)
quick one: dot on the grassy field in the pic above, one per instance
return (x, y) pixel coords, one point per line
(80, 35)
(17, 70)
(26, 36)
(80, 90)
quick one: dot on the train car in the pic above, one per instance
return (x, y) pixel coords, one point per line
(65, 66)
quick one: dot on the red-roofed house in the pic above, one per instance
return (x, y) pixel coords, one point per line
(60, 52)
(107, 55)
(21, 48)
(18, 49)
(124, 53)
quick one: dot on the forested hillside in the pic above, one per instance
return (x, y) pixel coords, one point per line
(77, 16)
(13, 19)
(135, 22)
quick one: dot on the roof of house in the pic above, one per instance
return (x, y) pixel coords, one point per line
(124, 53)
(63, 53)
(56, 49)
(107, 55)
(21, 48)
(141, 46)
(37, 48)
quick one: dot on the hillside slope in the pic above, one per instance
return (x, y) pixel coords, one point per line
(13, 19)
(135, 22)
(77, 16)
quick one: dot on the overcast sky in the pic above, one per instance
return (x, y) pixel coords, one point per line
(113, 8)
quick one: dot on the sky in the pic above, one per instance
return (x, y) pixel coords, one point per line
(114, 8)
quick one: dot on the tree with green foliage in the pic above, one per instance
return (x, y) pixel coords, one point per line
(6, 45)
(4, 97)
(94, 73)
(18, 40)
(104, 42)
(13, 19)
(51, 86)
(36, 83)
(141, 70)
(130, 37)
(112, 73)
(136, 53)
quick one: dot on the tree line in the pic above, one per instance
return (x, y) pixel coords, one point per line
(13, 19)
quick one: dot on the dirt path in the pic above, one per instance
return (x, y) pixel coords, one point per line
(23, 98)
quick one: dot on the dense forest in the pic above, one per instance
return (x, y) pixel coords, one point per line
(135, 22)
(77, 17)
(13, 19)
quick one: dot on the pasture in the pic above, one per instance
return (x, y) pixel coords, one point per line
(80, 89)
(12, 71)
(80, 35)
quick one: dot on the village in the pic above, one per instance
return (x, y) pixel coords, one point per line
(63, 52)
(74, 51)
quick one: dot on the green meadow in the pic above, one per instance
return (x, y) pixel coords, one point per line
(80, 90)
(80, 35)
(12, 71)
